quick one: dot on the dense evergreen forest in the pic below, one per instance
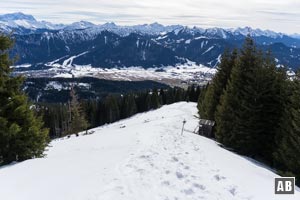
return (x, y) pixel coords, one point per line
(57, 90)
(256, 108)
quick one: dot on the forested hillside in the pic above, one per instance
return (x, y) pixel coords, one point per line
(255, 107)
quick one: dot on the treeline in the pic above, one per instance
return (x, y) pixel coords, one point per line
(256, 108)
(42, 89)
(61, 118)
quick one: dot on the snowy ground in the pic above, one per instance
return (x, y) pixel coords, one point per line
(141, 158)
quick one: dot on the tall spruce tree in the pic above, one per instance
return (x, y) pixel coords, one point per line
(112, 110)
(155, 100)
(163, 96)
(91, 110)
(249, 110)
(208, 105)
(77, 120)
(129, 106)
(287, 154)
(22, 135)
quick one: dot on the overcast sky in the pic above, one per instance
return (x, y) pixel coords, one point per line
(278, 15)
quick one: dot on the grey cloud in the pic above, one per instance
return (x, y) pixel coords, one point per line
(279, 13)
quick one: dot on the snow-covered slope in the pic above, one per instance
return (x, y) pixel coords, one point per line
(141, 158)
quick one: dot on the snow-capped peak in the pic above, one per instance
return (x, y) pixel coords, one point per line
(16, 16)
(217, 32)
(109, 25)
(295, 35)
(11, 21)
(156, 25)
(256, 32)
(80, 25)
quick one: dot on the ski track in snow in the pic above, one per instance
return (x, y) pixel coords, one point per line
(68, 62)
(144, 157)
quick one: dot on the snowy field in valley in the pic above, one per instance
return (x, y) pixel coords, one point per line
(188, 72)
(141, 158)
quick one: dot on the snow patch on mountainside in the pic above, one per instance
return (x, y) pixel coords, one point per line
(54, 85)
(143, 157)
(22, 66)
(208, 50)
(68, 62)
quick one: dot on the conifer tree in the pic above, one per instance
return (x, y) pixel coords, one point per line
(155, 101)
(249, 109)
(77, 120)
(148, 102)
(22, 135)
(287, 152)
(198, 92)
(91, 110)
(209, 103)
(163, 96)
(178, 94)
(112, 111)
(170, 96)
(200, 101)
(129, 106)
(141, 101)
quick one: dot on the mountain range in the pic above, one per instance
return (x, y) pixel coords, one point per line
(41, 45)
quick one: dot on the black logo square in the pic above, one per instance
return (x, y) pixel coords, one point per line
(285, 185)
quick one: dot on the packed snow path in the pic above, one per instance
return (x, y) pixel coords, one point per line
(141, 158)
